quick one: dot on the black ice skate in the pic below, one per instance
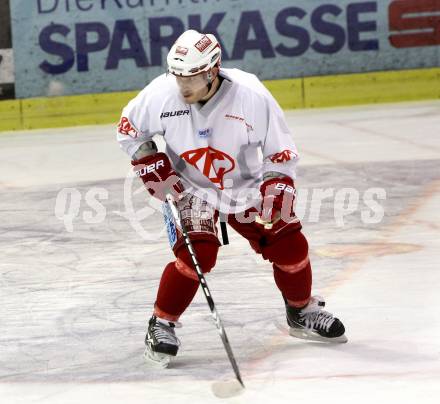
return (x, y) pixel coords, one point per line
(161, 341)
(315, 324)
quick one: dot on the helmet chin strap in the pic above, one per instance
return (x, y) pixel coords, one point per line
(209, 77)
(211, 81)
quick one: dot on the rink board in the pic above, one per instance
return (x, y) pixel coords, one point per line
(307, 92)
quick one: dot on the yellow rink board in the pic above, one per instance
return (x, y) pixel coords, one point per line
(288, 92)
(308, 92)
(89, 109)
(10, 115)
(372, 88)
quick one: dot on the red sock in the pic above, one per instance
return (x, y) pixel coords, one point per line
(175, 293)
(178, 287)
(296, 287)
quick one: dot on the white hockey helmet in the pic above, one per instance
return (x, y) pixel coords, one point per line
(193, 53)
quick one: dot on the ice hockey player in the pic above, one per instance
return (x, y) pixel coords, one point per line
(228, 154)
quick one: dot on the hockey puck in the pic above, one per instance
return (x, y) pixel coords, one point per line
(227, 389)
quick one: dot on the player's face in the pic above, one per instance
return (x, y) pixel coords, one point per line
(193, 88)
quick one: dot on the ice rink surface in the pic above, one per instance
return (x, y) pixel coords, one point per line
(83, 248)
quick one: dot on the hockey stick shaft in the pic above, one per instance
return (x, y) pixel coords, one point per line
(205, 289)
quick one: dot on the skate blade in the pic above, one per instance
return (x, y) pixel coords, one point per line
(313, 336)
(157, 358)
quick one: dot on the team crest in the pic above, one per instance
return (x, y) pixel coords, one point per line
(126, 128)
(283, 156)
(214, 164)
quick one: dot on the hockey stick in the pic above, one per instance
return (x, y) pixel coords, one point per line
(205, 289)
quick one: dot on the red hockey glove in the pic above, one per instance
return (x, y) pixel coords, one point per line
(278, 199)
(158, 175)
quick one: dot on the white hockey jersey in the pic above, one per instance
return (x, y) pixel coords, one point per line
(221, 149)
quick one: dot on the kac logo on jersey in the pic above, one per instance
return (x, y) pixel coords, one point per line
(283, 156)
(205, 133)
(126, 128)
(213, 163)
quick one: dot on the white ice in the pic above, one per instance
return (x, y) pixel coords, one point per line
(74, 304)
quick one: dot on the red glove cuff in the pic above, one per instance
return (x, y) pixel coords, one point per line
(149, 166)
(158, 175)
(278, 198)
(277, 187)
